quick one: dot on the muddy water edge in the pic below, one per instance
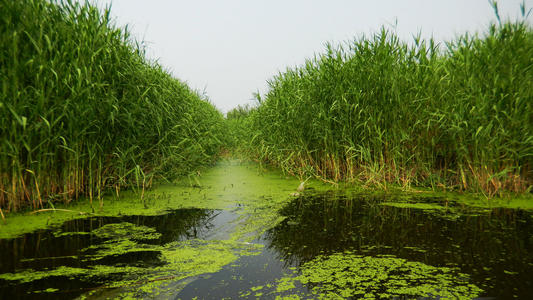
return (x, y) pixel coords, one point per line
(238, 231)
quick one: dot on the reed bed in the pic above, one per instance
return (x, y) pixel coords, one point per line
(238, 125)
(82, 111)
(381, 111)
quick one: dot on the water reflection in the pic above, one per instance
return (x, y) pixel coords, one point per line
(67, 246)
(495, 246)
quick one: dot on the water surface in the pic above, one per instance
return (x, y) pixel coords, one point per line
(318, 244)
(493, 246)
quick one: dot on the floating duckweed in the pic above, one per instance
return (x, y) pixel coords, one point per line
(290, 297)
(126, 230)
(63, 271)
(68, 233)
(122, 238)
(451, 212)
(343, 275)
(116, 247)
(257, 288)
(415, 205)
(48, 290)
(32, 275)
(186, 260)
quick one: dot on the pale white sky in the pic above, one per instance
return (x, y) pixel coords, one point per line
(230, 48)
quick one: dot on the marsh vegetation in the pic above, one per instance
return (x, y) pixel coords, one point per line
(83, 111)
(383, 168)
(380, 111)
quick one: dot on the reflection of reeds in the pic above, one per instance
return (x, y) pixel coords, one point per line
(379, 110)
(420, 230)
(82, 110)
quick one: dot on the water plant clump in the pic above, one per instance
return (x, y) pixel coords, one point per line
(126, 230)
(380, 111)
(345, 275)
(83, 111)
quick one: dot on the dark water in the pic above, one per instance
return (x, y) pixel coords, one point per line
(44, 249)
(494, 246)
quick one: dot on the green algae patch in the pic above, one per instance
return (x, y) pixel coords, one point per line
(190, 257)
(194, 257)
(425, 206)
(182, 261)
(420, 195)
(126, 230)
(445, 208)
(115, 248)
(60, 233)
(95, 272)
(344, 275)
(121, 238)
(450, 213)
(31, 275)
(49, 290)
(513, 201)
(17, 224)
(179, 261)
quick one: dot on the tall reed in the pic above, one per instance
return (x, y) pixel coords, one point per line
(377, 109)
(238, 126)
(83, 111)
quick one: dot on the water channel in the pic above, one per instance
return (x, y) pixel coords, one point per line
(320, 244)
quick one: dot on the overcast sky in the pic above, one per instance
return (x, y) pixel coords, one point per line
(230, 48)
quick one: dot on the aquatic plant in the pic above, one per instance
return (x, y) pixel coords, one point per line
(380, 110)
(83, 111)
(346, 275)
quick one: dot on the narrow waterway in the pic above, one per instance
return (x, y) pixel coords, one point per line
(239, 233)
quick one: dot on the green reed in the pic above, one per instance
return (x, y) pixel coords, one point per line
(238, 125)
(83, 111)
(456, 115)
